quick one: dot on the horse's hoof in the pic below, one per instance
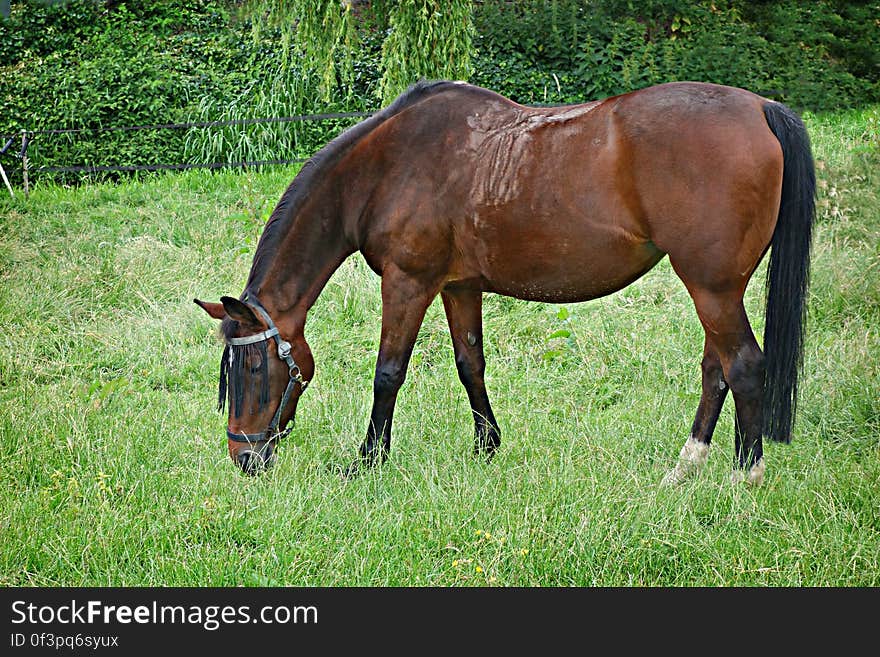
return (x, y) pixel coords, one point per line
(691, 459)
(353, 470)
(484, 454)
(754, 477)
(674, 477)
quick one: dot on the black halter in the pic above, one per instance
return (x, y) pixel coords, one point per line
(283, 348)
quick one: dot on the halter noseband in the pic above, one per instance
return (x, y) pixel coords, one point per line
(283, 348)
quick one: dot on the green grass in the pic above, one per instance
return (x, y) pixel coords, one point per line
(113, 465)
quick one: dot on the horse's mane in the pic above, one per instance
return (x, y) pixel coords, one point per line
(283, 214)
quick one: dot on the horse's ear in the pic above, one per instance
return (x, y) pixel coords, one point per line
(215, 310)
(240, 312)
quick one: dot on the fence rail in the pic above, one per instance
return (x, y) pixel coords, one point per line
(202, 124)
(164, 167)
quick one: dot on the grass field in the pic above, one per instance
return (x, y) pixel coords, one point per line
(113, 465)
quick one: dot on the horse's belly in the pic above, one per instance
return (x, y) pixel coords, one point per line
(564, 269)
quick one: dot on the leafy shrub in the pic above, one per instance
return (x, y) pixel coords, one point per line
(818, 55)
(126, 67)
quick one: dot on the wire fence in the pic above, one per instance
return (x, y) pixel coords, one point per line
(29, 136)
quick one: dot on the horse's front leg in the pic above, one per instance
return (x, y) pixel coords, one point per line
(404, 302)
(464, 312)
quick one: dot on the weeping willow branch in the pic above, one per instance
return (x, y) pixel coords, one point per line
(321, 32)
(428, 39)
(326, 37)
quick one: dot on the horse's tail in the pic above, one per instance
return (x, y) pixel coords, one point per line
(788, 273)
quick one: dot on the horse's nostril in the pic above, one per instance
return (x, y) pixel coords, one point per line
(250, 462)
(253, 462)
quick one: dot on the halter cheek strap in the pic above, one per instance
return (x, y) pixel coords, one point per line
(283, 348)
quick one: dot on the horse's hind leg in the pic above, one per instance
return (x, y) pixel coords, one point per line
(727, 329)
(695, 451)
(465, 316)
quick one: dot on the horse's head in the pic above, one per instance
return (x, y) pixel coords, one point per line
(263, 372)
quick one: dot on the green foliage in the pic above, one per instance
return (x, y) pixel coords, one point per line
(325, 35)
(286, 91)
(428, 39)
(419, 39)
(94, 64)
(819, 55)
(321, 31)
(845, 34)
(36, 29)
(121, 68)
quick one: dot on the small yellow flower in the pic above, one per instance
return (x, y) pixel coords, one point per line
(488, 536)
(523, 551)
(479, 531)
(479, 569)
(455, 563)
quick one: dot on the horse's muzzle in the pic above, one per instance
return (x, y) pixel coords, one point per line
(256, 459)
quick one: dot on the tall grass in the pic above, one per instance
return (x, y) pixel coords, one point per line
(283, 91)
(113, 466)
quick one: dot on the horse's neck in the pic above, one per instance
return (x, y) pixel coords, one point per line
(307, 255)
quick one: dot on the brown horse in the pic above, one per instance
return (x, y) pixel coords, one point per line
(456, 190)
